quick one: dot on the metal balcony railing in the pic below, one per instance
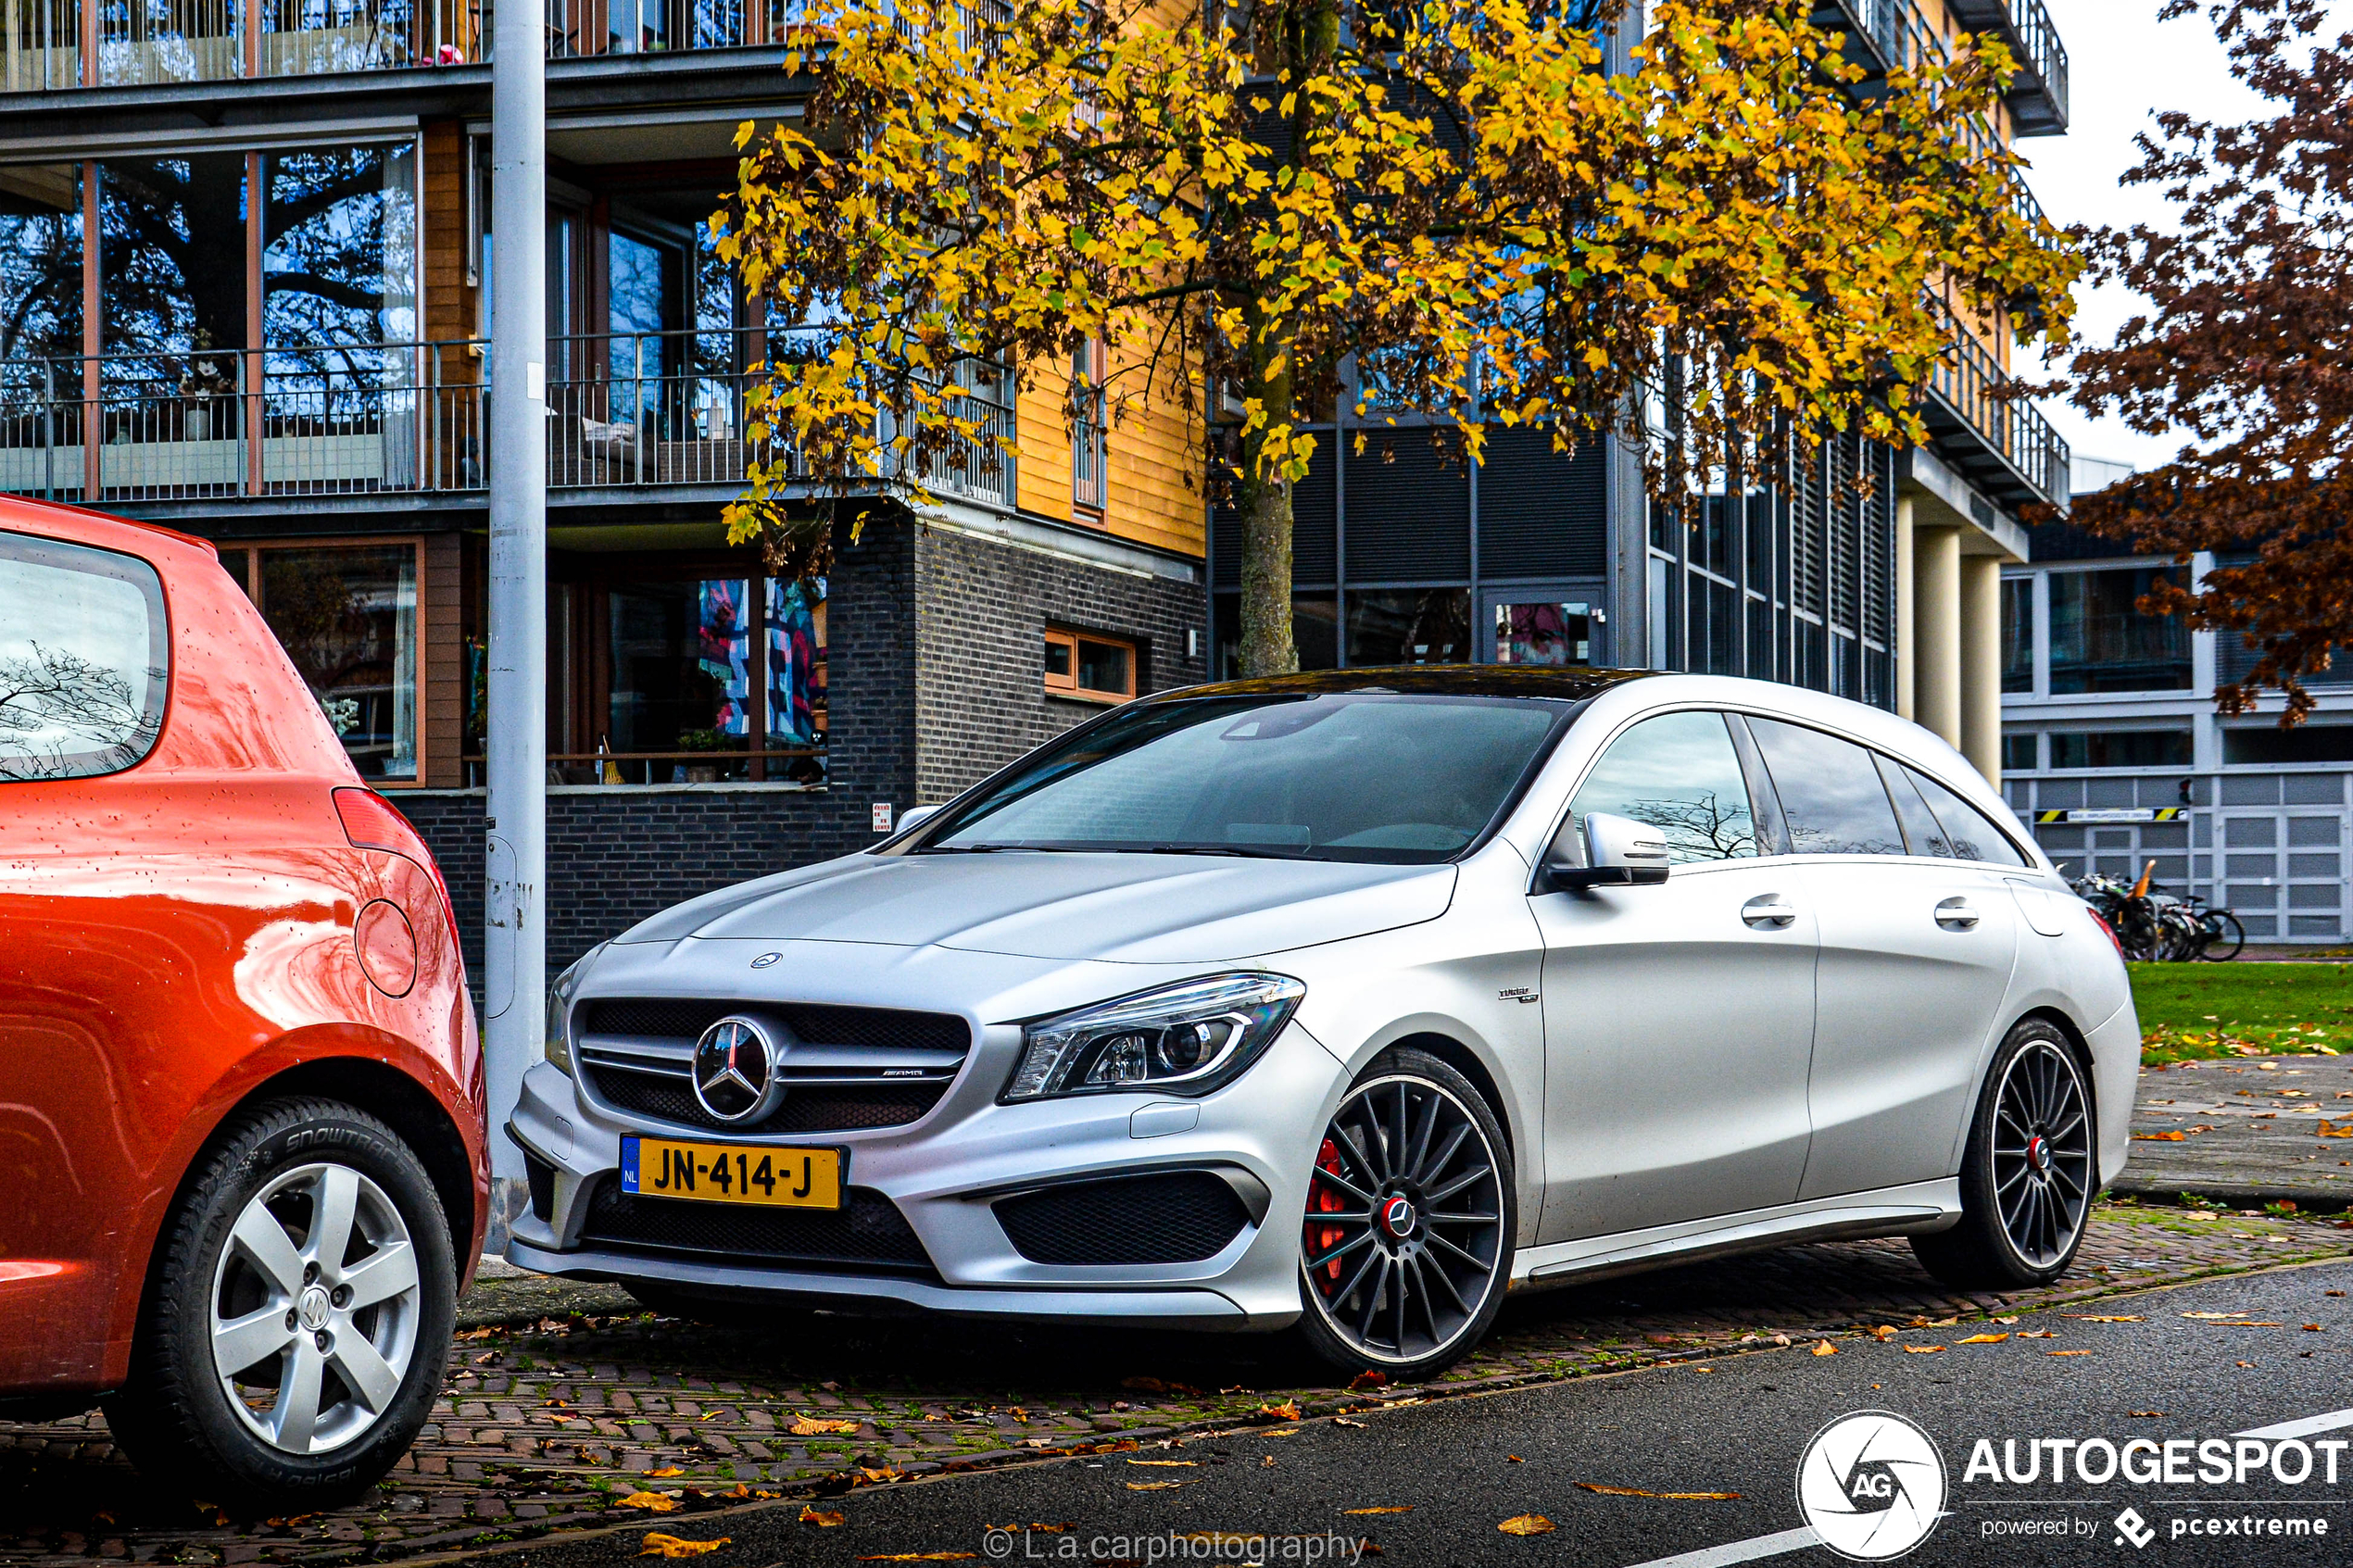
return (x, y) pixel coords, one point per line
(633, 410)
(2038, 97)
(1994, 436)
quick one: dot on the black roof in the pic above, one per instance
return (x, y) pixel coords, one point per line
(1560, 682)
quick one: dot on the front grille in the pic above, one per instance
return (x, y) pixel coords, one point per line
(877, 1028)
(1178, 1217)
(857, 1069)
(867, 1232)
(824, 1110)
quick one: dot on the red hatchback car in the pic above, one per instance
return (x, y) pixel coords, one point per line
(243, 1172)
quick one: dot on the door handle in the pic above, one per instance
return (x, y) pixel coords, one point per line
(1770, 909)
(1957, 914)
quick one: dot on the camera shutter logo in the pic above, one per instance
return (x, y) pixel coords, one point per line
(735, 1071)
(1871, 1484)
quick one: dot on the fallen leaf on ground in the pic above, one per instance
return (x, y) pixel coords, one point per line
(666, 1469)
(2311, 1328)
(652, 1502)
(1286, 1410)
(1921, 1349)
(1364, 1380)
(823, 1518)
(1266, 1463)
(740, 1493)
(2009, 1319)
(2036, 1334)
(1884, 1331)
(1824, 1348)
(1515, 1459)
(1032, 1524)
(2167, 1137)
(1281, 1431)
(1671, 1497)
(1527, 1524)
(1397, 1508)
(1343, 1421)
(1174, 1463)
(1156, 1486)
(2145, 1413)
(2213, 1317)
(1983, 1340)
(919, 1557)
(2067, 1353)
(2098, 1317)
(658, 1545)
(817, 1425)
(2327, 1129)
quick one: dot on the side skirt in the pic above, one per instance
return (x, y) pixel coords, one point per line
(1900, 1211)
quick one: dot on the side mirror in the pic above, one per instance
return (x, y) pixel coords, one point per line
(914, 815)
(1619, 852)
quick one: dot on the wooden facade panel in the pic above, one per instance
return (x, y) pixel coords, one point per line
(441, 601)
(449, 305)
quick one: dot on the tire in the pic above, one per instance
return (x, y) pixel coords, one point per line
(2024, 1206)
(337, 1388)
(2226, 937)
(1408, 1292)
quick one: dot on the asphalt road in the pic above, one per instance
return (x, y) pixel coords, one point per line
(1732, 1424)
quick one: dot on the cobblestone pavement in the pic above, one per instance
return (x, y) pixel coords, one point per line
(566, 1421)
(2246, 1132)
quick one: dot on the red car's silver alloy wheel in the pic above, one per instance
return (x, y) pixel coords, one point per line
(1404, 1236)
(314, 1308)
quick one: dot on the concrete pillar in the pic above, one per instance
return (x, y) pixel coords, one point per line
(1936, 630)
(1905, 608)
(1982, 664)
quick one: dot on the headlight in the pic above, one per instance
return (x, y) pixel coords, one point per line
(558, 1048)
(1183, 1039)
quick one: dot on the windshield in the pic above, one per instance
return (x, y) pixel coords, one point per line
(1360, 777)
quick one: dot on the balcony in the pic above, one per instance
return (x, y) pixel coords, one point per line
(2038, 96)
(1997, 439)
(629, 414)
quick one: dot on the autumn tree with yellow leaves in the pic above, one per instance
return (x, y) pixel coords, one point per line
(1713, 254)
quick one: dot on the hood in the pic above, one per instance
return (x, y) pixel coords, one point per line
(1118, 909)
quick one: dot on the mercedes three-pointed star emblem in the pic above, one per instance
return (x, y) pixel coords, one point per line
(736, 1076)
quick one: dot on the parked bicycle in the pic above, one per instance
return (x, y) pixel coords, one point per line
(2154, 926)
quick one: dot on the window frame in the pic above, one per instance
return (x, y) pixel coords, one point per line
(1068, 687)
(1882, 758)
(253, 549)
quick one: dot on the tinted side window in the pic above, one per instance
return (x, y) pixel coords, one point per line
(1679, 774)
(1921, 830)
(83, 659)
(1831, 792)
(1970, 833)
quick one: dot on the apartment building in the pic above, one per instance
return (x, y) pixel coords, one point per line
(245, 259)
(245, 266)
(2113, 751)
(1885, 591)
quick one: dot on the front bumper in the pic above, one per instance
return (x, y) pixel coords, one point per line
(943, 1172)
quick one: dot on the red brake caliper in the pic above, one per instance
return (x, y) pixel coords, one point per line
(1326, 1201)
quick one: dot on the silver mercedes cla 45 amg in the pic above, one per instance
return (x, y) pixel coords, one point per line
(1352, 1001)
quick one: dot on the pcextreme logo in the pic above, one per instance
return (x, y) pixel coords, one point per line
(1871, 1484)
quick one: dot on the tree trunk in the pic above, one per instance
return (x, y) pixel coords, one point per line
(1266, 541)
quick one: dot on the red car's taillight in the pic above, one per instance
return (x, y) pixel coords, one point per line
(369, 821)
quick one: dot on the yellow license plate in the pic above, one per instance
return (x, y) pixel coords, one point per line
(719, 1173)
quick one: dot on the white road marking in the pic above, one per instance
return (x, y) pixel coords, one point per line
(1740, 1551)
(2304, 1428)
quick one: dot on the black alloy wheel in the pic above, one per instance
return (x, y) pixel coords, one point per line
(1406, 1243)
(2028, 1170)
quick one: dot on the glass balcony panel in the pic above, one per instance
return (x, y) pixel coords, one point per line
(40, 44)
(145, 42)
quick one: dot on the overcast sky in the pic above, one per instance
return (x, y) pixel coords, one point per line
(2124, 66)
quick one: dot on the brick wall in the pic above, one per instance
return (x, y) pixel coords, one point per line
(983, 606)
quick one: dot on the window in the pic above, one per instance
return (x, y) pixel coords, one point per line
(1395, 780)
(1090, 478)
(1831, 792)
(2022, 753)
(1968, 834)
(1092, 668)
(2018, 634)
(2120, 748)
(40, 285)
(1315, 633)
(1543, 634)
(346, 615)
(1923, 833)
(1408, 626)
(1680, 774)
(2100, 641)
(85, 659)
(2307, 742)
